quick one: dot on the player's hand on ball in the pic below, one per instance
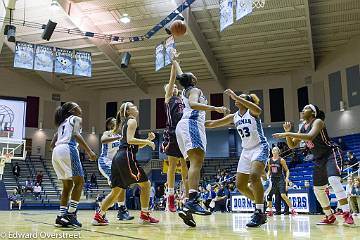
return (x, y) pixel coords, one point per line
(229, 92)
(287, 126)
(151, 136)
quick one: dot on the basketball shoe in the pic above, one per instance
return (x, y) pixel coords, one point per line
(193, 206)
(171, 203)
(187, 217)
(328, 220)
(123, 214)
(99, 220)
(146, 218)
(348, 219)
(257, 219)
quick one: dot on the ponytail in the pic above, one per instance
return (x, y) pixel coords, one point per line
(58, 113)
(121, 116)
(63, 112)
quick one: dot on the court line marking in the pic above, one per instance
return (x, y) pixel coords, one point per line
(88, 230)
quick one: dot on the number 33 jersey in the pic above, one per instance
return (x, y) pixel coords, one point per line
(249, 129)
(67, 130)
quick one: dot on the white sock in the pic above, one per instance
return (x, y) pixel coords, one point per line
(63, 210)
(192, 190)
(73, 206)
(345, 207)
(145, 209)
(171, 191)
(259, 207)
(120, 204)
(327, 212)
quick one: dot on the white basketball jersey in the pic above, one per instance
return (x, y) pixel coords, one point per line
(249, 129)
(189, 113)
(67, 129)
(108, 150)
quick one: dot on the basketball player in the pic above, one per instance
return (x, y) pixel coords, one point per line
(255, 151)
(279, 183)
(314, 133)
(191, 137)
(110, 145)
(125, 170)
(66, 161)
(174, 110)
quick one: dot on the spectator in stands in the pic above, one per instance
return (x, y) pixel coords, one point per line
(355, 194)
(16, 172)
(136, 193)
(210, 196)
(348, 190)
(15, 198)
(353, 160)
(292, 185)
(99, 199)
(39, 177)
(37, 191)
(93, 181)
(2, 166)
(29, 185)
(220, 199)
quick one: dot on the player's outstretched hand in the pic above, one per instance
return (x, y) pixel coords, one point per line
(152, 145)
(230, 93)
(287, 126)
(279, 135)
(151, 136)
(222, 110)
(174, 54)
(92, 156)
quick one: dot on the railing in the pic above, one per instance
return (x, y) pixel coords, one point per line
(352, 173)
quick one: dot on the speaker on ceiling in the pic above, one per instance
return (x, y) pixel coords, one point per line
(125, 59)
(48, 30)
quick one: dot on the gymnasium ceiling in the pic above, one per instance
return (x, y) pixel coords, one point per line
(284, 36)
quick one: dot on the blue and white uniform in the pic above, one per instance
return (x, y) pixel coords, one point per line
(254, 143)
(65, 156)
(190, 130)
(108, 151)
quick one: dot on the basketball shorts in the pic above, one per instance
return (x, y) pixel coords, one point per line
(125, 170)
(104, 165)
(66, 162)
(258, 153)
(325, 167)
(170, 145)
(278, 186)
(190, 134)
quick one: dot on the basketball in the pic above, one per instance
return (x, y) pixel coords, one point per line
(178, 28)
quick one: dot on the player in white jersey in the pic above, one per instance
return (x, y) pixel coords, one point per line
(110, 145)
(255, 151)
(191, 137)
(66, 161)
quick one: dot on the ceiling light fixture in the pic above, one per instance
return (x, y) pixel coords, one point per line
(125, 18)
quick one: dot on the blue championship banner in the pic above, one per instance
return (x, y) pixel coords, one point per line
(300, 201)
(159, 57)
(82, 64)
(226, 14)
(44, 58)
(64, 61)
(243, 8)
(24, 55)
(169, 45)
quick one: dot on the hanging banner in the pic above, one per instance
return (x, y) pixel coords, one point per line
(44, 58)
(159, 57)
(243, 8)
(169, 45)
(24, 55)
(82, 64)
(64, 61)
(226, 14)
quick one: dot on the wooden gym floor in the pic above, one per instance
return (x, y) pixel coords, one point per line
(222, 226)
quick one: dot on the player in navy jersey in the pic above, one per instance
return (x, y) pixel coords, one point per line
(276, 168)
(110, 143)
(66, 161)
(255, 151)
(174, 111)
(326, 170)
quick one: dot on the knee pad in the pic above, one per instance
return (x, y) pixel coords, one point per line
(336, 185)
(321, 195)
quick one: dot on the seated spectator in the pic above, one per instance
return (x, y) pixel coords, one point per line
(87, 189)
(355, 194)
(29, 186)
(37, 191)
(348, 190)
(15, 198)
(93, 181)
(352, 161)
(16, 172)
(210, 196)
(220, 199)
(39, 177)
(293, 186)
(99, 199)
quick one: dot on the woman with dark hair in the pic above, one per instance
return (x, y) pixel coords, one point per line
(66, 161)
(326, 170)
(191, 137)
(255, 152)
(125, 170)
(110, 143)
